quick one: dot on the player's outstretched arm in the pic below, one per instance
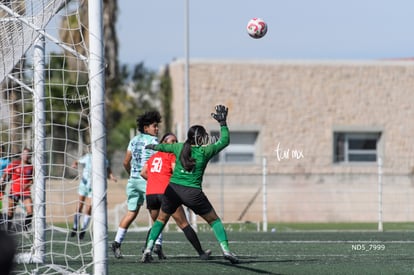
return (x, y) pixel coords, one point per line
(150, 146)
(221, 115)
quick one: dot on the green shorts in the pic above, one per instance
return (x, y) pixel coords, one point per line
(135, 191)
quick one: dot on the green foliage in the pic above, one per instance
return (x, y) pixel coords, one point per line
(166, 98)
(67, 95)
(67, 108)
(132, 96)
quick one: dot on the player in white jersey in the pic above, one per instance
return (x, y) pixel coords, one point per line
(135, 158)
(85, 193)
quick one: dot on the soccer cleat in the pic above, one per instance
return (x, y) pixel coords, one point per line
(231, 257)
(73, 233)
(206, 255)
(158, 251)
(116, 248)
(146, 256)
(82, 235)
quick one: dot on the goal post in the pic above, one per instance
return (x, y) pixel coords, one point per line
(98, 137)
(39, 149)
(52, 86)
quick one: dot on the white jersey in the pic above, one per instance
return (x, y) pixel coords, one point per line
(140, 155)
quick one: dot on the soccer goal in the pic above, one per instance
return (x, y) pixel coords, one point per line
(52, 101)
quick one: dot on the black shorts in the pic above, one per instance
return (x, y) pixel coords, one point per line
(193, 198)
(16, 198)
(154, 201)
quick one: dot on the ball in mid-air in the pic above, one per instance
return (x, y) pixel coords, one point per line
(256, 28)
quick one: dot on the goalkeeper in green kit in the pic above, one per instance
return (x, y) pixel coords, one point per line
(185, 185)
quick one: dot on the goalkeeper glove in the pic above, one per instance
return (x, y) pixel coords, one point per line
(221, 114)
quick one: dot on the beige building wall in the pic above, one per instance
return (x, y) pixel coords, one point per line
(300, 104)
(297, 106)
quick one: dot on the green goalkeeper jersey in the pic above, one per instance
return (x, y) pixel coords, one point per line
(201, 154)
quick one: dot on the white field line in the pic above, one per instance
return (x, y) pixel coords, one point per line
(302, 242)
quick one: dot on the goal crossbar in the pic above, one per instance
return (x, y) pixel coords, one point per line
(37, 26)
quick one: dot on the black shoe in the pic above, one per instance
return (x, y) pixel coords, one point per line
(206, 255)
(73, 233)
(158, 251)
(116, 248)
(146, 256)
(82, 235)
(231, 257)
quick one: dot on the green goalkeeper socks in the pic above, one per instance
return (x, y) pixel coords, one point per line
(156, 229)
(220, 234)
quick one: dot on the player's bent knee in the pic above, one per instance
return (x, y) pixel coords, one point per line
(180, 221)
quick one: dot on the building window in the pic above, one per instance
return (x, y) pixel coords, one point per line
(241, 149)
(356, 146)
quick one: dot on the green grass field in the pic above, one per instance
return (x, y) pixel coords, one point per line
(291, 249)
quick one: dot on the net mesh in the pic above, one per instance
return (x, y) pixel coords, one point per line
(21, 22)
(63, 26)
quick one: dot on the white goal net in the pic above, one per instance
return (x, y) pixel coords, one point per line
(51, 81)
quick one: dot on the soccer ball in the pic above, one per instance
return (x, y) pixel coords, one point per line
(256, 28)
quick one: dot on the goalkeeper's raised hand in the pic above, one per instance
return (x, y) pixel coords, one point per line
(221, 114)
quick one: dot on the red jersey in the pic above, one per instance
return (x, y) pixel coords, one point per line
(159, 172)
(22, 177)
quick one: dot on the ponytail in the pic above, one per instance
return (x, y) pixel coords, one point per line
(185, 157)
(195, 136)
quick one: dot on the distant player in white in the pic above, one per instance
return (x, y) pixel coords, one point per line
(85, 193)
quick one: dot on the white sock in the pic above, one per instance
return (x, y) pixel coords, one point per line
(159, 239)
(76, 220)
(120, 234)
(86, 220)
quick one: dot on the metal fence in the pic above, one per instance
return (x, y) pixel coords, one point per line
(315, 190)
(358, 193)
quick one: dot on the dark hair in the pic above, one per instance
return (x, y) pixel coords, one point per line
(147, 119)
(196, 135)
(164, 137)
(27, 149)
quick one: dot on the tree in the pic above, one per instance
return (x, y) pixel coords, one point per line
(72, 32)
(132, 98)
(67, 108)
(13, 93)
(128, 93)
